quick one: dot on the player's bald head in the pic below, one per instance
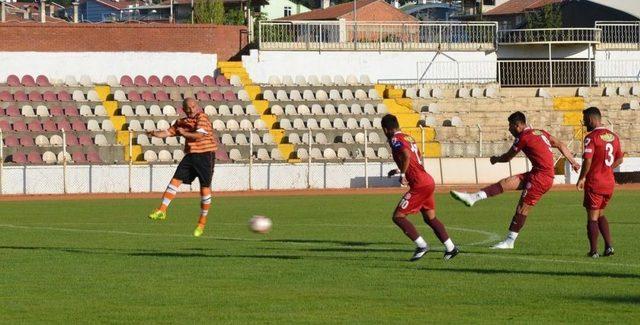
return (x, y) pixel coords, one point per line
(188, 102)
(189, 106)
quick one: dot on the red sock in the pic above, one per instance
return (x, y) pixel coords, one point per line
(407, 227)
(603, 224)
(493, 189)
(592, 233)
(438, 229)
(517, 222)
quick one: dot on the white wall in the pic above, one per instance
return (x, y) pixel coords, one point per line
(535, 51)
(235, 177)
(629, 165)
(618, 65)
(98, 65)
(378, 65)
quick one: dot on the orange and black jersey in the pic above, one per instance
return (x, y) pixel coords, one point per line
(198, 123)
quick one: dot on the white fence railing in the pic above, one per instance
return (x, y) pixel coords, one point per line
(549, 35)
(549, 73)
(376, 36)
(619, 34)
(522, 73)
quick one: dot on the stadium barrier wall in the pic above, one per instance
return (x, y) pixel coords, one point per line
(235, 177)
(99, 65)
(273, 176)
(377, 65)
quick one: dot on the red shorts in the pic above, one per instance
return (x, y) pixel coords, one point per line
(417, 199)
(536, 184)
(595, 201)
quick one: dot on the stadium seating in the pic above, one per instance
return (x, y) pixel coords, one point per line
(335, 109)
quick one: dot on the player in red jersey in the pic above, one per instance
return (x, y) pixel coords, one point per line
(536, 145)
(602, 154)
(420, 194)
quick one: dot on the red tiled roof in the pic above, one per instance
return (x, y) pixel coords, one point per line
(331, 13)
(184, 2)
(16, 14)
(518, 6)
(119, 5)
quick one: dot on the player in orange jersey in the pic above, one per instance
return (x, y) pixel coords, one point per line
(199, 161)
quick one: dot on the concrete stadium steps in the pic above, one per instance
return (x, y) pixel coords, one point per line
(560, 114)
(234, 68)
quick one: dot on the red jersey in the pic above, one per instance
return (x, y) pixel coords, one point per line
(603, 148)
(536, 146)
(415, 174)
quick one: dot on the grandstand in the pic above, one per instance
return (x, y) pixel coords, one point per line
(283, 104)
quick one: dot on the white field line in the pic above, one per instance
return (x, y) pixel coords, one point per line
(491, 236)
(509, 257)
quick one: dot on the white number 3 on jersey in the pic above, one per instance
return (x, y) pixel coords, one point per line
(608, 148)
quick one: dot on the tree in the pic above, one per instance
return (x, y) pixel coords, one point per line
(549, 16)
(218, 12)
(234, 17)
(209, 12)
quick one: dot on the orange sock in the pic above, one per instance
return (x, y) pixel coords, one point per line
(169, 194)
(205, 204)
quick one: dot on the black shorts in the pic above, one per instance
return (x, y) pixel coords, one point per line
(198, 165)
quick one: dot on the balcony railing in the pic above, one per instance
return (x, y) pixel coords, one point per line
(376, 36)
(549, 35)
(619, 34)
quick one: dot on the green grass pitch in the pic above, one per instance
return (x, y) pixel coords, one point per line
(329, 259)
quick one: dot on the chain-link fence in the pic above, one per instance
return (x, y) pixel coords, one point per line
(318, 161)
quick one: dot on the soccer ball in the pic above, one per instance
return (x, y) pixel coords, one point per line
(260, 224)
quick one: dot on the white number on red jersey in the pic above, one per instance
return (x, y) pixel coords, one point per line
(414, 149)
(608, 148)
(546, 141)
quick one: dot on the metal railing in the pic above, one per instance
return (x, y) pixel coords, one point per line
(376, 36)
(521, 73)
(549, 35)
(550, 73)
(619, 34)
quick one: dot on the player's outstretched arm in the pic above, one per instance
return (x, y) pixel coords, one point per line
(159, 134)
(505, 157)
(190, 135)
(564, 150)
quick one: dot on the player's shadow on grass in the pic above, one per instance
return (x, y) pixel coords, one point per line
(321, 241)
(90, 251)
(358, 250)
(631, 299)
(549, 273)
(144, 253)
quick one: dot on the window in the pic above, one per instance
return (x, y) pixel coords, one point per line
(287, 11)
(519, 20)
